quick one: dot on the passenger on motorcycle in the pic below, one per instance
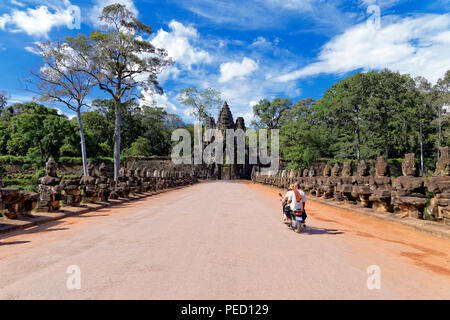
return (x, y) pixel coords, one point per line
(303, 194)
(293, 201)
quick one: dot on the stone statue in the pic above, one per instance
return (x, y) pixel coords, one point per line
(363, 169)
(104, 183)
(51, 177)
(380, 186)
(49, 189)
(89, 185)
(408, 192)
(361, 190)
(439, 185)
(443, 164)
(326, 170)
(381, 168)
(347, 170)
(409, 165)
(336, 170)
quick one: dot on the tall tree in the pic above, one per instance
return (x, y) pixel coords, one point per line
(201, 104)
(271, 114)
(442, 103)
(425, 100)
(59, 81)
(344, 105)
(121, 61)
(3, 100)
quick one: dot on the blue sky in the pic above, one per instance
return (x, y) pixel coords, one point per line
(249, 50)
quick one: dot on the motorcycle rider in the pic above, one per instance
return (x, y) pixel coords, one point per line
(293, 201)
(303, 194)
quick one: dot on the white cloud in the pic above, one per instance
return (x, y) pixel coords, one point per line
(269, 14)
(17, 3)
(249, 83)
(32, 50)
(159, 100)
(263, 43)
(178, 43)
(38, 22)
(414, 45)
(240, 70)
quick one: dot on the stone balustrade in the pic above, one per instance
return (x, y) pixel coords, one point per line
(55, 192)
(407, 195)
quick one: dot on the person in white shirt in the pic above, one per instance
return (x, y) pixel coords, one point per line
(303, 194)
(292, 201)
(295, 200)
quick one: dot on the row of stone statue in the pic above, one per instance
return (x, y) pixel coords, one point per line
(54, 191)
(408, 195)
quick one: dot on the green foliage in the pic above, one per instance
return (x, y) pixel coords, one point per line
(79, 160)
(201, 102)
(34, 130)
(140, 147)
(361, 117)
(39, 173)
(9, 159)
(273, 114)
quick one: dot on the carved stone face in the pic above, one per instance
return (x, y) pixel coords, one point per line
(409, 165)
(130, 173)
(347, 170)
(443, 164)
(91, 169)
(363, 169)
(122, 172)
(305, 172)
(312, 172)
(327, 171)
(102, 170)
(210, 123)
(240, 123)
(381, 168)
(292, 174)
(50, 168)
(336, 170)
(137, 172)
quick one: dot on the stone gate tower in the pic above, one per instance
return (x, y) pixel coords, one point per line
(228, 171)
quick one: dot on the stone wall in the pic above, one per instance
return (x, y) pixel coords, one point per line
(406, 195)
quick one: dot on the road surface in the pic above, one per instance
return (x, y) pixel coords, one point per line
(221, 240)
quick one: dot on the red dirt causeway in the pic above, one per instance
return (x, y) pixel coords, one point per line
(222, 240)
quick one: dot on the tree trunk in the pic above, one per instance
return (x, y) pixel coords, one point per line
(117, 140)
(421, 141)
(439, 132)
(83, 143)
(358, 145)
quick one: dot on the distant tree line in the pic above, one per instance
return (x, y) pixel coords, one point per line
(361, 117)
(36, 132)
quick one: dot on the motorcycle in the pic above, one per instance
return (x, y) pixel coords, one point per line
(295, 217)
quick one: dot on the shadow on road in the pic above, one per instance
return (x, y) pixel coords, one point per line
(313, 231)
(13, 242)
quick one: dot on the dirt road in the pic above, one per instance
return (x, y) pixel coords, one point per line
(222, 240)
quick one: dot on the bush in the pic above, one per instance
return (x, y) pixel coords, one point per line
(79, 160)
(38, 174)
(70, 160)
(9, 159)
